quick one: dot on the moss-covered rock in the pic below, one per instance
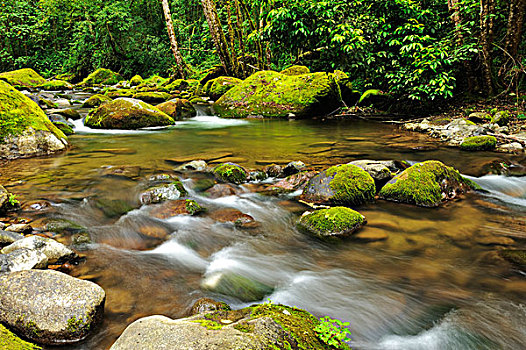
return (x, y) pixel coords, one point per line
(296, 70)
(101, 76)
(264, 327)
(230, 172)
(66, 128)
(69, 77)
(217, 87)
(136, 80)
(46, 104)
(235, 285)
(126, 113)
(177, 207)
(335, 222)
(121, 93)
(9, 341)
(349, 94)
(96, 100)
(178, 109)
(56, 85)
(345, 184)
(273, 94)
(479, 143)
(23, 78)
(177, 84)
(517, 257)
(162, 193)
(152, 97)
(153, 81)
(501, 118)
(25, 130)
(426, 184)
(69, 113)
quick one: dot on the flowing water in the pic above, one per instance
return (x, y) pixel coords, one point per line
(436, 282)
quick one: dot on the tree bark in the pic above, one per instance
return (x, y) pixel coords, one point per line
(218, 36)
(182, 67)
(487, 12)
(517, 9)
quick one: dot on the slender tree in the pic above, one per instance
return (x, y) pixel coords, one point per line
(182, 67)
(487, 23)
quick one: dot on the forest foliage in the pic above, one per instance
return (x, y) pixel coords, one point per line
(415, 49)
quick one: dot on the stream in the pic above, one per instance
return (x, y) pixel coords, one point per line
(435, 282)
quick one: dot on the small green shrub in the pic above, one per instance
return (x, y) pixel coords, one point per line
(333, 332)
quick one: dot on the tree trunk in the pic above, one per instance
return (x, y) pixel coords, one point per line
(218, 36)
(487, 12)
(182, 68)
(516, 16)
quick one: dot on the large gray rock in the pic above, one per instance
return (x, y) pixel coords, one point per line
(55, 251)
(7, 237)
(158, 194)
(265, 326)
(22, 259)
(380, 170)
(50, 307)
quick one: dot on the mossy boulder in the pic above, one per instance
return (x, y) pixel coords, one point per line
(336, 222)
(56, 85)
(501, 118)
(152, 97)
(272, 94)
(162, 193)
(178, 109)
(237, 286)
(479, 143)
(120, 93)
(101, 76)
(25, 131)
(153, 81)
(9, 341)
(23, 78)
(177, 84)
(296, 70)
(230, 172)
(344, 184)
(349, 95)
(136, 80)
(69, 77)
(264, 327)
(127, 113)
(217, 87)
(96, 100)
(66, 128)
(426, 184)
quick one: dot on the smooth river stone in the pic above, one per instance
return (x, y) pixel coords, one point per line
(53, 250)
(50, 307)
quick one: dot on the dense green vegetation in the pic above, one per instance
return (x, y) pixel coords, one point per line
(418, 50)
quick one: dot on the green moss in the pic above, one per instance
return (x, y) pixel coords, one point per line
(501, 118)
(479, 143)
(96, 100)
(66, 77)
(10, 341)
(230, 172)
(296, 70)
(152, 96)
(126, 113)
(101, 76)
(272, 94)
(153, 81)
(23, 78)
(244, 327)
(425, 184)
(177, 84)
(517, 257)
(65, 128)
(351, 184)
(18, 113)
(217, 87)
(56, 85)
(120, 93)
(337, 221)
(192, 207)
(136, 80)
(77, 325)
(209, 324)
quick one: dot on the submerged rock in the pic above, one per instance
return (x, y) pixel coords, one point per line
(272, 94)
(178, 207)
(101, 76)
(426, 184)
(127, 113)
(25, 131)
(235, 285)
(158, 194)
(54, 251)
(341, 184)
(50, 307)
(195, 165)
(259, 327)
(335, 222)
(291, 183)
(230, 172)
(96, 100)
(479, 143)
(234, 216)
(23, 78)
